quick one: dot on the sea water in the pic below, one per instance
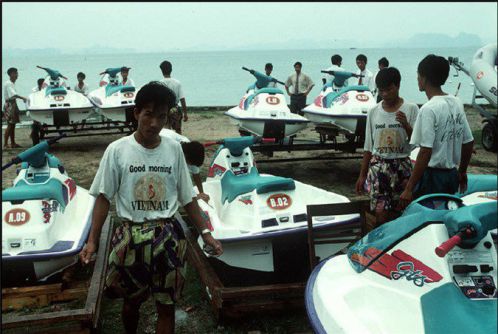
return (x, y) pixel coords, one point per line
(216, 79)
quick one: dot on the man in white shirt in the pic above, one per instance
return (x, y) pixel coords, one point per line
(443, 134)
(301, 86)
(194, 155)
(81, 87)
(367, 79)
(175, 116)
(10, 110)
(148, 175)
(336, 66)
(125, 80)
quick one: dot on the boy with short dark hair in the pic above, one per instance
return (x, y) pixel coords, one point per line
(367, 79)
(81, 87)
(386, 164)
(443, 134)
(268, 70)
(336, 66)
(148, 175)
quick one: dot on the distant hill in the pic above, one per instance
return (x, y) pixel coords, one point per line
(16, 52)
(438, 40)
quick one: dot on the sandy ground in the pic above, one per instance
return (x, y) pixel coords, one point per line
(81, 158)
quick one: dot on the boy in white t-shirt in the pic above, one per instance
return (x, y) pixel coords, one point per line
(443, 134)
(175, 116)
(387, 149)
(81, 86)
(148, 175)
(194, 155)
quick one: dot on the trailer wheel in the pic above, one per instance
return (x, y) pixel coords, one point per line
(489, 138)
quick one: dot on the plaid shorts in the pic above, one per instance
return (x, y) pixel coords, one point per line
(175, 119)
(147, 258)
(386, 180)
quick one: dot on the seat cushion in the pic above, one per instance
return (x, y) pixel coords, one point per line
(53, 189)
(330, 97)
(109, 89)
(233, 186)
(55, 91)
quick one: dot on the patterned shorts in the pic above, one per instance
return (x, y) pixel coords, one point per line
(147, 258)
(10, 112)
(386, 180)
(175, 119)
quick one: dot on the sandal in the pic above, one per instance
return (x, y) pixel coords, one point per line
(15, 146)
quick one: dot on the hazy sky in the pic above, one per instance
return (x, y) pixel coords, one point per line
(175, 26)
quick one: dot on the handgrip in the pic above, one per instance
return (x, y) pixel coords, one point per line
(53, 140)
(267, 140)
(246, 69)
(448, 245)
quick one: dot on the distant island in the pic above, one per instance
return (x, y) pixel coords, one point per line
(422, 40)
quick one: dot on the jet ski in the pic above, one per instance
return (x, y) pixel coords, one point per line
(263, 111)
(433, 270)
(57, 105)
(46, 218)
(114, 101)
(340, 106)
(261, 219)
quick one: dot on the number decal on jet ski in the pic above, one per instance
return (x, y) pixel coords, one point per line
(362, 97)
(58, 97)
(490, 195)
(47, 210)
(279, 201)
(128, 95)
(479, 75)
(397, 265)
(16, 217)
(272, 100)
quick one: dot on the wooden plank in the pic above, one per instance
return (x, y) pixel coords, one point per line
(94, 298)
(85, 317)
(258, 290)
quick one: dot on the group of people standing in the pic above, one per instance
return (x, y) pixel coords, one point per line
(10, 109)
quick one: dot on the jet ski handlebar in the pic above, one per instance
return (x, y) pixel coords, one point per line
(350, 74)
(253, 72)
(54, 75)
(34, 154)
(445, 247)
(256, 140)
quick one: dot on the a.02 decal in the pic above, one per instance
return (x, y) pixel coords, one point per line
(279, 201)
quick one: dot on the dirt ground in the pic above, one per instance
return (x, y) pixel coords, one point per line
(81, 157)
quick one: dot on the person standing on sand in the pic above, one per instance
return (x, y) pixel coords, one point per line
(336, 66)
(367, 79)
(383, 63)
(81, 87)
(194, 155)
(36, 126)
(443, 134)
(149, 177)
(125, 80)
(268, 70)
(301, 86)
(10, 110)
(175, 116)
(386, 164)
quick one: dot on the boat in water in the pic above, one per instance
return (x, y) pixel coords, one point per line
(114, 101)
(46, 218)
(263, 111)
(340, 106)
(261, 221)
(57, 105)
(433, 270)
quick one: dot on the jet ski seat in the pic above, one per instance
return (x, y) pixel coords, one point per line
(330, 97)
(268, 90)
(55, 91)
(53, 189)
(110, 89)
(233, 186)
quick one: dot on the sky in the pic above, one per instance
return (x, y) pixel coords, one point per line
(152, 26)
